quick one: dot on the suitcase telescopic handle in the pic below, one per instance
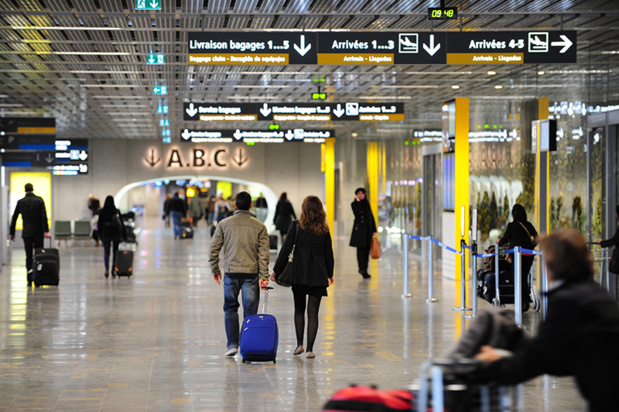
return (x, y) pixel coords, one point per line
(266, 298)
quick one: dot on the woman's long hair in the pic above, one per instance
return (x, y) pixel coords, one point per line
(108, 205)
(519, 214)
(313, 217)
(284, 196)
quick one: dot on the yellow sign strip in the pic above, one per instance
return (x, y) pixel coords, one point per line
(355, 58)
(238, 59)
(381, 117)
(36, 130)
(228, 117)
(485, 58)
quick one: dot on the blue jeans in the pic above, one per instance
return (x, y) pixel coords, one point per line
(176, 221)
(251, 299)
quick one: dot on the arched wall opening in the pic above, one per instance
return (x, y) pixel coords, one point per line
(270, 196)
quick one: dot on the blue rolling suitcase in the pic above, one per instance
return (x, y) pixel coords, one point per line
(259, 336)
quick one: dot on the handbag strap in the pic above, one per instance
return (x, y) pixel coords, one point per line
(294, 245)
(525, 229)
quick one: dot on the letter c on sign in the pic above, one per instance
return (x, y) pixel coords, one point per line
(216, 158)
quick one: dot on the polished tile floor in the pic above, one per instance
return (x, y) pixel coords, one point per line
(155, 342)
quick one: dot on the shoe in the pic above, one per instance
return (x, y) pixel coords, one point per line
(365, 275)
(310, 355)
(107, 273)
(114, 274)
(231, 352)
(299, 350)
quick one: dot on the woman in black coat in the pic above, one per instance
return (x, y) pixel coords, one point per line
(580, 334)
(363, 230)
(313, 268)
(110, 233)
(284, 213)
(521, 233)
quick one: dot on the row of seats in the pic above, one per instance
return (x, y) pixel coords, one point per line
(67, 229)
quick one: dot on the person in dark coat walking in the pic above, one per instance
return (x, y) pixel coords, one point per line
(364, 228)
(521, 233)
(613, 241)
(284, 213)
(35, 226)
(313, 268)
(111, 233)
(177, 209)
(580, 334)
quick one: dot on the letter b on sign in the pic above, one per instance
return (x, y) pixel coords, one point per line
(198, 157)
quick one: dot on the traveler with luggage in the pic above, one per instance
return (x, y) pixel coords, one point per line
(221, 209)
(35, 226)
(244, 242)
(166, 213)
(284, 213)
(521, 233)
(580, 334)
(313, 268)
(112, 231)
(364, 228)
(177, 209)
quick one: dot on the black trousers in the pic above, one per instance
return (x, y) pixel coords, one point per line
(31, 243)
(363, 256)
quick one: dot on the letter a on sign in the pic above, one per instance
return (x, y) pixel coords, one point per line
(175, 157)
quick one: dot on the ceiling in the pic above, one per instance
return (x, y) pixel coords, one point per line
(84, 61)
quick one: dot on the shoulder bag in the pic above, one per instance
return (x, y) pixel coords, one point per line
(116, 223)
(285, 278)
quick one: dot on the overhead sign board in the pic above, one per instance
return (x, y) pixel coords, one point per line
(23, 141)
(27, 125)
(301, 112)
(381, 48)
(71, 157)
(29, 159)
(256, 136)
(155, 59)
(148, 4)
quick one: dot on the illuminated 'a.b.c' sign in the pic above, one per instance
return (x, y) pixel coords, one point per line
(199, 158)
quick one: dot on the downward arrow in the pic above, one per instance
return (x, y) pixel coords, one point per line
(191, 110)
(431, 49)
(338, 110)
(265, 110)
(240, 161)
(151, 60)
(289, 135)
(49, 158)
(152, 162)
(154, 4)
(83, 155)
(237, 134)
(566, 43)
(185, 135)
(302, 49)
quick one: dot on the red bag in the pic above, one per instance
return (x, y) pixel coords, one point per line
(375, 247)
(367, 398)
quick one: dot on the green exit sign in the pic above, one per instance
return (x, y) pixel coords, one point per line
(148, 4)
(155, 59)
(160, 90)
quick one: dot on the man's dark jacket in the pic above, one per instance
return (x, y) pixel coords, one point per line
(34, 216)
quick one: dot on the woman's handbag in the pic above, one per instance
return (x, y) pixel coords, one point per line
(286, 277)
(613, 267)
(118, 225)
(375, 247)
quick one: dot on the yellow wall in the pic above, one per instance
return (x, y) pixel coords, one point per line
(42, 183)
(328, 167)
(373, 172)
(462, 176)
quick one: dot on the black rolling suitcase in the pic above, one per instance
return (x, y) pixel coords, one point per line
(123, 265)
(46, 267)
(273, 242)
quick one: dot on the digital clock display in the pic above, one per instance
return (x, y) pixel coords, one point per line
(442, 13)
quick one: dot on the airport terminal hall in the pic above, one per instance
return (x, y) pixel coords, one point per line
(309, 205)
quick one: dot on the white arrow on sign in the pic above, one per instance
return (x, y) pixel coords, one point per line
(338, 111)
(154, 4)
(83, 155)
(303, 49)
(151, 59)
(431, 49)
(49, 158)
(265, 110)
(237, 134)
(191, 110)
(566, 43)
(289, 135)
(185, 135)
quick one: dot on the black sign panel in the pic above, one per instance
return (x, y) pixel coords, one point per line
(256, 136)
(381, 48)
(374, 48)
(13, 124)
(301, 112)
(511, 47)
(71, 157)
(29, 159)
(28, 141)
(252, 48)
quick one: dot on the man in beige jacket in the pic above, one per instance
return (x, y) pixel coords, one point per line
(243, 241)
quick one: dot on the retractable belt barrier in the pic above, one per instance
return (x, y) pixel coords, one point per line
(517, 252)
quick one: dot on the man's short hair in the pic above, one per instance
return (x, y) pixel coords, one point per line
(567, 256)
(28, 187)
(243, 201)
